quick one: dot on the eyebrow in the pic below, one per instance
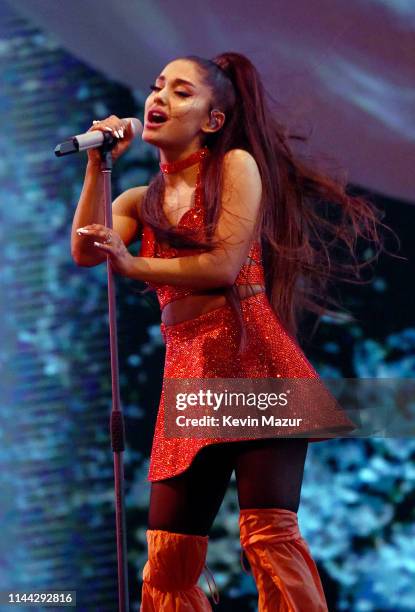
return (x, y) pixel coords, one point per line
(162, 78)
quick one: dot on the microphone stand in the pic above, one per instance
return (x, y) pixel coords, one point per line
(117, 430)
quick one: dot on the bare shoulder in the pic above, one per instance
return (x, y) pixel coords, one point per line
(241, 174)
(141, 192)
(128, 203)
(240, 159)
(126, 213)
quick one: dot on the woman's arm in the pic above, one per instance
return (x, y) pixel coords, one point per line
(242, 190)
(90, 210)
(241, 198)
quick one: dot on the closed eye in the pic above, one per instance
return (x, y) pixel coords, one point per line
(179, 93)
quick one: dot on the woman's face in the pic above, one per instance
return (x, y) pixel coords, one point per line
(186, 106)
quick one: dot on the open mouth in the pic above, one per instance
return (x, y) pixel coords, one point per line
(156, 118)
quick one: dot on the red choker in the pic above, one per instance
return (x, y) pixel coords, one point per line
(181, 164)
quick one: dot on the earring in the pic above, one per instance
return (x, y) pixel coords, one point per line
(213, 120)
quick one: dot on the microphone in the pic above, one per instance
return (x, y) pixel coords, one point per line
(93, 139)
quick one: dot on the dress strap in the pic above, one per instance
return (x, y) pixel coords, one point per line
(208, 571)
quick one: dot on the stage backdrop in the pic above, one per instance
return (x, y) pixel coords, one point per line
(346, 67)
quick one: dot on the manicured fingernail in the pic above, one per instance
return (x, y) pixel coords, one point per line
(122, 133)
(82, 231)
(109, 129)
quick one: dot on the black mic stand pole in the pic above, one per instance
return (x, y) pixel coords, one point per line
(117, 430)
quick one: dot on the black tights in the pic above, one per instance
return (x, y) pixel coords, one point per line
(269, 474)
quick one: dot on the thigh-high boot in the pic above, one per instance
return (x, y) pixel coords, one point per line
(285, 573)
(170, 575)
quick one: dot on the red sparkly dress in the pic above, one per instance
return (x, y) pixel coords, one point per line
(206, 346)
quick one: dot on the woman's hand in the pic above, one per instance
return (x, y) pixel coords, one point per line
(111, 243)
(120, 129)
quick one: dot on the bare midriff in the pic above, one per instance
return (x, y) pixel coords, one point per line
(192, 306)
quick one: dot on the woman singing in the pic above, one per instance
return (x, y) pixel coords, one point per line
(234, 246)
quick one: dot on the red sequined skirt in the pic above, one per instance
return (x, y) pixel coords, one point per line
(206, 347)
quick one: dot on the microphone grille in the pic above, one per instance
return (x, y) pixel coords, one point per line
(136, 125)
